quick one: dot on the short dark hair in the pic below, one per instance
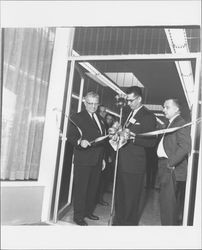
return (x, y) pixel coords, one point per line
(176, 102)
(101, 106)
(135, 90)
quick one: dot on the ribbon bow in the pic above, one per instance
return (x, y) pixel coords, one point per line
(119, 136)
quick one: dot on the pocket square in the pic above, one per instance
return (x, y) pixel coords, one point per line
(132, 120)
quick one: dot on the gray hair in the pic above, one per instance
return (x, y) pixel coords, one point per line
(92, 94)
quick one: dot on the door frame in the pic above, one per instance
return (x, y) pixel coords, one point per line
(185, 56)
(50, 145)
(60, 212)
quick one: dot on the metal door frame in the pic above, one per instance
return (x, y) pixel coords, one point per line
(186, 56)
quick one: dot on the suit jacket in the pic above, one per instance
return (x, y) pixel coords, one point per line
(177, 146)
(92, 155)
(132, 158)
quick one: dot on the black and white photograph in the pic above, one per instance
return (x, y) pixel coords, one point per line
(101, 124)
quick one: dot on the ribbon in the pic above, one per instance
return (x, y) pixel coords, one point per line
(80, 131)
(117, 131)
(167, 130)
(99, 139)
(57, 123)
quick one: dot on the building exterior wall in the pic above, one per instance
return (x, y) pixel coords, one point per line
(21, 205)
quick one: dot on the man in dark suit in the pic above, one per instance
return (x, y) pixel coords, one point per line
(173, 150)
(85, 127)
(132, 160)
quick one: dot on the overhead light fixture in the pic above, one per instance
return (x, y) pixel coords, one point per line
(92, 76)
(91, 69)
(177, 40)
(124, 79)
(111, 84)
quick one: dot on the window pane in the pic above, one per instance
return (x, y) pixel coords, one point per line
(26, 69)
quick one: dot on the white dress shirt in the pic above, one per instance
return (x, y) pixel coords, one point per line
(160, 150)
(97, 121)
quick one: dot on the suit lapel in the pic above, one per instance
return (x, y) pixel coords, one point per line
(90, 120)
(102, 125)
(139, 113)
(172, 124)
(94, 124)
(134, 118)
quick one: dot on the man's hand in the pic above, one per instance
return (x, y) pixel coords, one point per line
(112, 132)
(103, 165)
(114, 137)
(170, 167)
(116, 127)
(84, 143)
(126, 133)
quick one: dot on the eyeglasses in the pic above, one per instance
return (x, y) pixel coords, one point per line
(131, 100)
(91, 103)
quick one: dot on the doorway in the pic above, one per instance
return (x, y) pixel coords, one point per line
(153, 70)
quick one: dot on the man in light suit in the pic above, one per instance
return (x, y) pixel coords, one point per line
(173, 150)
(85, 127)
(132, 160)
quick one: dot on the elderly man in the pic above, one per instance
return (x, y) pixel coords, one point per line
(173, 152)
(85, 127)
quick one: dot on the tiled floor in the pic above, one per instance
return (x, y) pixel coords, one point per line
(149, 203)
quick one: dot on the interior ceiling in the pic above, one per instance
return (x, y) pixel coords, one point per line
(159, 77)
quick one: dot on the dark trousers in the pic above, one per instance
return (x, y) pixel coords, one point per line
(105, 180)
(151, 167)
(102, 185)
(127, 199)
(86, 181)
(180, 196)
(171, 195)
